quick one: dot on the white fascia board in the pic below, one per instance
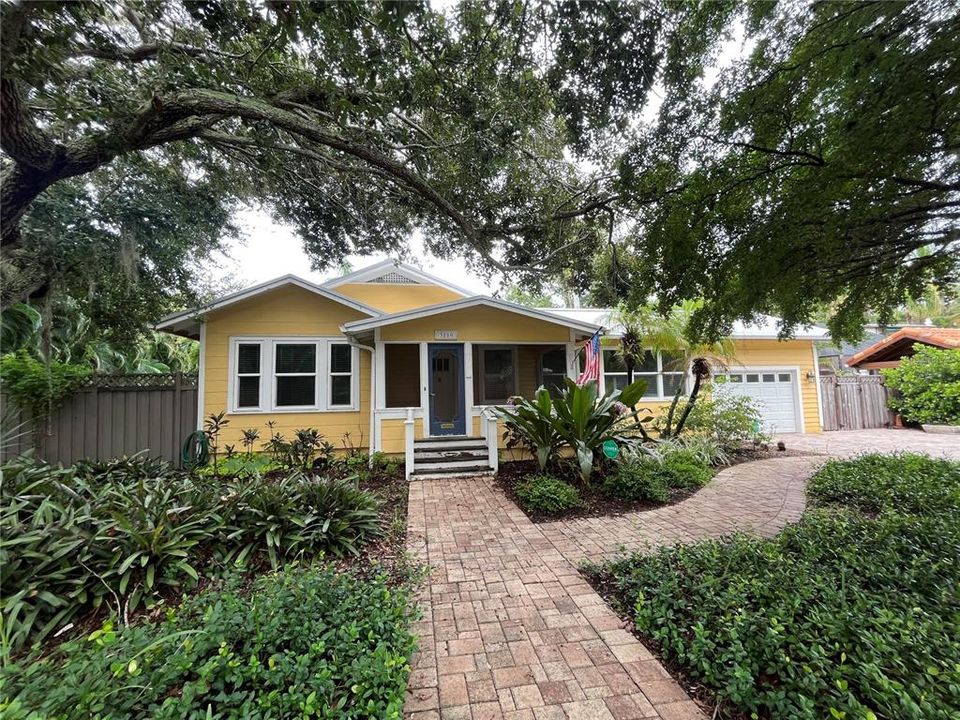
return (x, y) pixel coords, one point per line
(476, 300)
(190, 317)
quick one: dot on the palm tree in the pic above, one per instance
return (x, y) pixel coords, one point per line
(668, 335)
(631, 348)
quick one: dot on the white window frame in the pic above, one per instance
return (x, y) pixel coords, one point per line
(637, 374)
(275, 376)
(481, 360)
(235, 376)
(268, 376)
(331, 374)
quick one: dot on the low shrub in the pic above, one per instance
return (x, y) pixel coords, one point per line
(640, 479)
(308, 642)
(707, 449)
(119, 533)
(547, 495)
(683, 468)
(729, 419)
(927, 386)
(242, 466)
(842, 615)
(907, 483)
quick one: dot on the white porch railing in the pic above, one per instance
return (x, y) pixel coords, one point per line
(488, 428)
(409, 433)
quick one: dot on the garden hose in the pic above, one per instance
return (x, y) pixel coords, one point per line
(196, 451)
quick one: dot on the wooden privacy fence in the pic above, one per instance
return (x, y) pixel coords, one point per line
(854, 402)
(112, 415)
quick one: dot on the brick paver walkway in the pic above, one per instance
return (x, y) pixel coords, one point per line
(758, 497)
(511, 630)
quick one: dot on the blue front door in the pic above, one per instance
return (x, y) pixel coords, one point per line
(447, 415)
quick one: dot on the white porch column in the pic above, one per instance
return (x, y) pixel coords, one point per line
(468, 387)
(488, 422)
(572, 370)
(409, 433)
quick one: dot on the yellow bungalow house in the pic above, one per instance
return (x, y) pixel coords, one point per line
(392, 359)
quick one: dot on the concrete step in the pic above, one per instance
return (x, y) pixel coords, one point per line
(475, 471)
(454, 454)
(449, 464)
(450, 443)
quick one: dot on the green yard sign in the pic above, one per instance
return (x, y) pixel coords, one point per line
(610, 448)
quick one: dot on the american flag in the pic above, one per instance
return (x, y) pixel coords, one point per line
(591, 370)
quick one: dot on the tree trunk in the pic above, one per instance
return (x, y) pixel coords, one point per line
(689, 406)
(668, 432)
(630, 370)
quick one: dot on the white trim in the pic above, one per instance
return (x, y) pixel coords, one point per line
(408, 271)
(201, 375)
(354, 376)
(268, 377)
(816, 380)
(638, 374)
(468, 386)
(474, 301)
(189, 317)
(759, 369)
(424, 390)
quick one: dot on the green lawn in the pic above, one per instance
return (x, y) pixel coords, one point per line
(851, 613)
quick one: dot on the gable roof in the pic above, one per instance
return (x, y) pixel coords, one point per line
(469, 302)
(188, 322)
(766, 329)
(895, 346)
(393, 272)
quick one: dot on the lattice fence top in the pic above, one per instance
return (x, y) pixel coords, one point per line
(852, 379)
(142, 381)
(393, 278)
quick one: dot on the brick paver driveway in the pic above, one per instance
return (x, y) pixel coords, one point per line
(510, 628)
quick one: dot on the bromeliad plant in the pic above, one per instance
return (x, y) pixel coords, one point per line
(579, 418)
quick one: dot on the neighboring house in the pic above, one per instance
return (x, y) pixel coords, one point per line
(300, 355)
(835, 360)
(888, 352)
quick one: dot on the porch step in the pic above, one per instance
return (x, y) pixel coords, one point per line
(452, 456)
(451, 442)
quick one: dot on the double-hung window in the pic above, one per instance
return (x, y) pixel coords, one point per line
(292, 374)
(663, 373)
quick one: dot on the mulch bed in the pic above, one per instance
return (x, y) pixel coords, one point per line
(598, 504)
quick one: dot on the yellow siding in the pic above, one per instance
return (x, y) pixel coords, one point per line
(285, 312)
(397, 298)
(767, 353)
(479, 324)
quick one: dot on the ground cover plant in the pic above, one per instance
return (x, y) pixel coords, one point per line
(851, 613)
(303, 642)
(543, 494)
(123, 536)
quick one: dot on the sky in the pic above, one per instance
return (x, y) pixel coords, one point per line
(269, 249)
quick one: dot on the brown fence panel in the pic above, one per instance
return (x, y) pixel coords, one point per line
(855, 402)
(112, 415)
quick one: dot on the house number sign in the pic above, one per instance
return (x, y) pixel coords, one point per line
(444, 334)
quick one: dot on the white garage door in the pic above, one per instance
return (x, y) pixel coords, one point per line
(774, 391)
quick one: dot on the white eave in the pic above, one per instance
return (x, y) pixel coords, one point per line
(359, 326)
(766, 329)
(188, 322)
(371, 273)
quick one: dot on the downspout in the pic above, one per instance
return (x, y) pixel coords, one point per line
(373, 396)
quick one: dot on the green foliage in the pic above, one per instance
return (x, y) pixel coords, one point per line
(841, 615)
(38, 386)
(728, 419)
(907, 483)
(640, 479)
(305, 642)
(927, 386)
(685, 469)
(578, 418)
(825, 196)
(705, 448)
(531, 423)
(241, 466)
(547, 495)
(121, 532)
